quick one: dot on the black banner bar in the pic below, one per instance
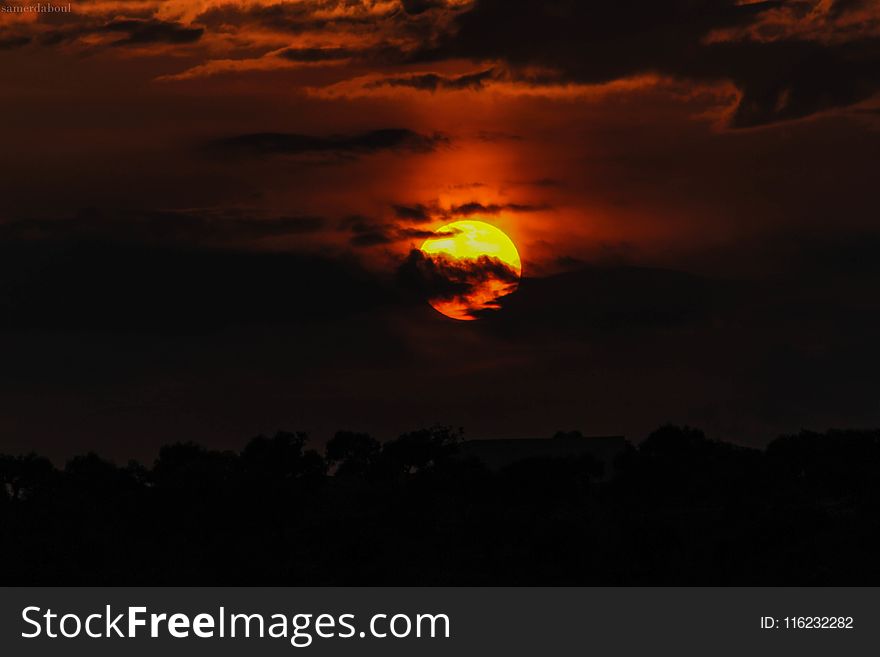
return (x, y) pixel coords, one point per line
(439, 621)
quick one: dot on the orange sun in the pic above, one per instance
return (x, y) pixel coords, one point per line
(480, 263)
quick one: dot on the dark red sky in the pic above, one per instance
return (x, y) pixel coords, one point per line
(205, 208)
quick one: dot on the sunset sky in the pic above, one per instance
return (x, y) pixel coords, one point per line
(208, 212)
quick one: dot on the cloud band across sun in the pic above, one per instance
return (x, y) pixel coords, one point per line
(464, 269)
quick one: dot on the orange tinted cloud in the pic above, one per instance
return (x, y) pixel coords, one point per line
(576, 147)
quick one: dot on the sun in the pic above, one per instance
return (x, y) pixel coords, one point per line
(479, 265)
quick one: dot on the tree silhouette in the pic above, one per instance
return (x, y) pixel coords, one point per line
(418, 451)
(280, 459)
(352, 454)
(188, 466)
(679, 508)
(21, 476)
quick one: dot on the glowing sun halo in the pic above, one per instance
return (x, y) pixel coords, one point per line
(479, 261)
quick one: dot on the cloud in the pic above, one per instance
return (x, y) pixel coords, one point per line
(300, 17)
(416, 7)
(435, 81)
(309, 55)
(496, 136)
(125, 32)
(366, 232)
(587, 41)
(161, 227)
(156, 288)
(146, 31)
(542, 182)
(425, 212)
(797, 75)
(374, 237)
(419, 233)
(278, 143)
(785, 80)
(468, 209)
(439, 277)
(377, 33)
(787, 59)
(11, 43)
(607, 300)
(214, 67)
(419, 212)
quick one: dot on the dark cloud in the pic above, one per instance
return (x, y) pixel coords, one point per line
(470, 185)
(568, 262)
(418, 233)
(467, 209)
(612, 299)
(439, 277)
(141, 31)
(596, 42)
(798, 347)
(418, 212)
(125, 287)
(425, 212)
(636, 345)
(853, 255)
(496, 136)
(841, 7)
(57, 37)
(316, 54)
(590, 41)
(374, 237)
(290, 17)
(785, 80)
(366, 232)
(161, 227)
(435, 81)
(416, 7)
(814, 302)
(289, 225)
(11, 43)
(544, 182)
(277, 143)
(133, 31)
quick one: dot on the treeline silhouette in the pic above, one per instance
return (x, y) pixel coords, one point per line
(678, 508)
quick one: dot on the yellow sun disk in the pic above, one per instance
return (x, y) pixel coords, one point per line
(469, 240)
(472, 239)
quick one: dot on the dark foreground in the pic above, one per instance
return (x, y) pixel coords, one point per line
(679, 509)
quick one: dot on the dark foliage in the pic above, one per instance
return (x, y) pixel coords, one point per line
(678, 509)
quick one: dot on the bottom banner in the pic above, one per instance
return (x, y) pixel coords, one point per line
(438, 621)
